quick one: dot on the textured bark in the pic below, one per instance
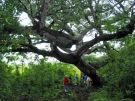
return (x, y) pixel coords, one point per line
(90, 71)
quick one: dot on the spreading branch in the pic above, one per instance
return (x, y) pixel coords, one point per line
(30, 48)
(121, 33)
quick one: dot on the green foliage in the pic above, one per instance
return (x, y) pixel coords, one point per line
(46, 79)
(100, 95)
(43, 80)
(118, 76)
(5, 77)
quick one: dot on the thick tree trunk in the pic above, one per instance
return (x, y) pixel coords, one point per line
(90, 71)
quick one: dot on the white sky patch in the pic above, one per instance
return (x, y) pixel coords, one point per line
(45, 46)
(51, 59)
(73, 47)
(87, 38)
(24, 19)
(90, 35)
(18, 59)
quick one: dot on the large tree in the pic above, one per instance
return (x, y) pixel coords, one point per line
(64, 23)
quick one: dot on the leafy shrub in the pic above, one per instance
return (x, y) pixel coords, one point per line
(119, 77)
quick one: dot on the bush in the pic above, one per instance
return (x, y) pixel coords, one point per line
(119, 77)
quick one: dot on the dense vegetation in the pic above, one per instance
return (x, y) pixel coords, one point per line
(36, 81)
(118, 75)
(95, 36)
(19, 82)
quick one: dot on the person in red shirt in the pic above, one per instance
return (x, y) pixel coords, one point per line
(66, 83)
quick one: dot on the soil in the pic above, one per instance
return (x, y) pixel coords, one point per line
(80, 94)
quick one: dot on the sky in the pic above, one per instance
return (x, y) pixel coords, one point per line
(24, 19)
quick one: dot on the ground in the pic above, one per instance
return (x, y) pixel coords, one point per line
(76, 93)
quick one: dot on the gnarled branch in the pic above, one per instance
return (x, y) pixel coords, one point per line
(122, 33)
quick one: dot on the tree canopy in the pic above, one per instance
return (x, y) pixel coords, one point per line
(62, 24)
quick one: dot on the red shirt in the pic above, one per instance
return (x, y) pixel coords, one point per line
(66, 80)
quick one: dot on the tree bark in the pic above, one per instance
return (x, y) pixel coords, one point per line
(90, 71)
